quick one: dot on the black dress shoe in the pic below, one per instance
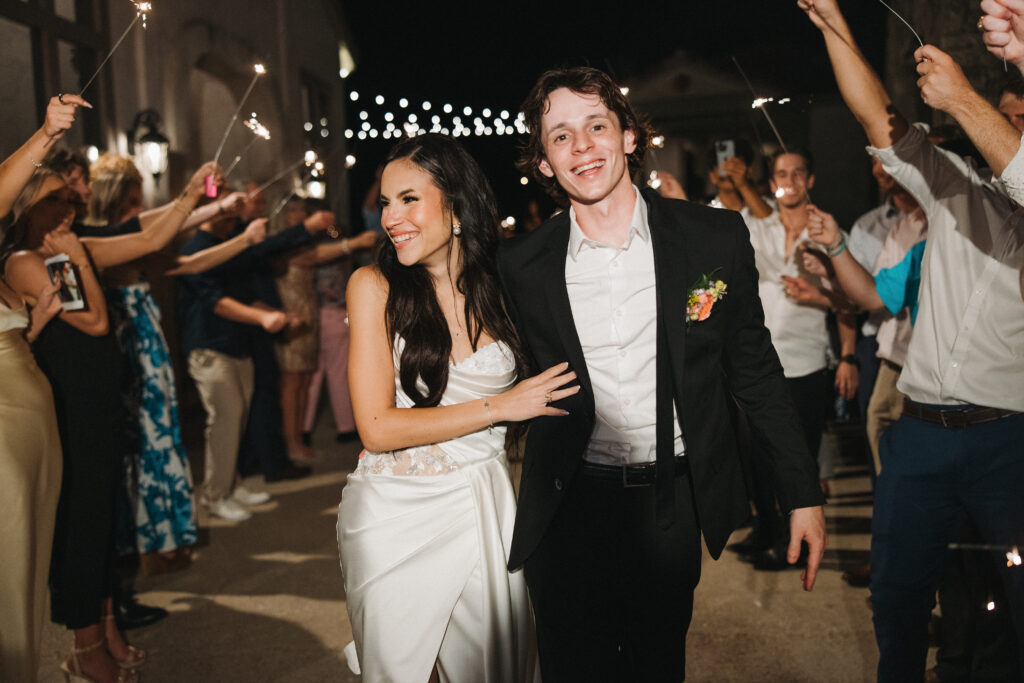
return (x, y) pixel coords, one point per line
(131, 614)
(858, 577)
(754, 543)
(290, 471)
(346, 437)
(774, 559)
(306, 438)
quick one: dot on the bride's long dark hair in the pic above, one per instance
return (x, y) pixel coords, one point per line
(412, 311)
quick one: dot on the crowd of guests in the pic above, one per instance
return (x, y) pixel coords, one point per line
(96, 481)
(915, 313)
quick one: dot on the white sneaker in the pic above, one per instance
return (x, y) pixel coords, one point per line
(226, 508)
(244, 496)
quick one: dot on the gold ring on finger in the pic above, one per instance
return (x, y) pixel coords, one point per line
(981, 23)
(548, 397)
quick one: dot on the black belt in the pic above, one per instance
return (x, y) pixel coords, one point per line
(954, 417)
(632, 475)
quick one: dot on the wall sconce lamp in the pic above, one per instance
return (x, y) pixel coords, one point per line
(149, 148)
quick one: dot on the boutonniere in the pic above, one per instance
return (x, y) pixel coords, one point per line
(703, 296)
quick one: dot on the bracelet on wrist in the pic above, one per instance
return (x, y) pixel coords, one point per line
(487, 407)
(347, 249)
(837, 248)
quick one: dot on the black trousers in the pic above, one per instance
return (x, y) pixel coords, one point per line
(611, 590)
(262, 449)
(811, 396)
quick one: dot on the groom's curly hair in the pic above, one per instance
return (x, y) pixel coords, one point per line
(587, 81)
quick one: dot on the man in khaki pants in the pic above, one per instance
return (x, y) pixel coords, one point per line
(217, 311)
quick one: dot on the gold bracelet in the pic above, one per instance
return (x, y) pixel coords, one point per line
(487, 406)
(345, 249)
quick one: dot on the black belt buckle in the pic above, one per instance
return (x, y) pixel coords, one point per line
(625, 478)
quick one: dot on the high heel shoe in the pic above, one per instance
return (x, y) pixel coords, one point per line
(72, 669)
(136, 656)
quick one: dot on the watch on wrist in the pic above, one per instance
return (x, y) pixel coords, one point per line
(851, 359)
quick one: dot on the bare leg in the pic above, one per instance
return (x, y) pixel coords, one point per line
(291, 416)
(116, 645)
(92, 660)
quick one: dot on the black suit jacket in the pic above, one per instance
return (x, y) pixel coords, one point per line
(728, 354)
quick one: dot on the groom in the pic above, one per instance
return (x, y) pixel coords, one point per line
(615, 495)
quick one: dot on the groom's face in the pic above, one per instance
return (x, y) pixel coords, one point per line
(585, 147)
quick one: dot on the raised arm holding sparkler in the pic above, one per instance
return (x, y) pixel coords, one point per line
(1003, 28)
(17, 168)
(860, 87)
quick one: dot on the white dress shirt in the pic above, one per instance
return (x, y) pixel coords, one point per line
(1012, 178)
(798, 332)
(614, 306)
(867, 236)
(968, 343)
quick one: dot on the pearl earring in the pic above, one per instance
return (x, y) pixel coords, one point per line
(457, 230)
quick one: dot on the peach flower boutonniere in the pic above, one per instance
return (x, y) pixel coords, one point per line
(703, 296)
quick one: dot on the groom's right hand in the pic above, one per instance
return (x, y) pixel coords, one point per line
(807, 524)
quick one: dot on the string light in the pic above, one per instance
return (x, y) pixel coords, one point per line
(379, 99)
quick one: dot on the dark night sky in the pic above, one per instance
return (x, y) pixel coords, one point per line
(489, 54)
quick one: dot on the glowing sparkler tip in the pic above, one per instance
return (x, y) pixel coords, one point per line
(1013, 558)
(310, 157)
(991, 606)
(350, 160)
(658, 141)
(779, 192)
(654, 181)
(259, 68)
(760, 102)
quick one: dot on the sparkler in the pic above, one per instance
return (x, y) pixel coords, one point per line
(759, 103)
(907, 23)
(1013, 558)
(142, 10)
(258, 70)
(259, 131)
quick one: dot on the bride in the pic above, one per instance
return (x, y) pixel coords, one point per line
(425, 521)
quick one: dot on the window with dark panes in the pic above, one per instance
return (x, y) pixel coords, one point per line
(50, 47)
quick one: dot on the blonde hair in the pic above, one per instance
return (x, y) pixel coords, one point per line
(112, 176)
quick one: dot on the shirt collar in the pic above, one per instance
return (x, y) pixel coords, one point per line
(637, 226)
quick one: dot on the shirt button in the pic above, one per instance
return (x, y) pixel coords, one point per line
(558, 484)
(956, 364)
(626, 402)
(622, 353)
(615, 264)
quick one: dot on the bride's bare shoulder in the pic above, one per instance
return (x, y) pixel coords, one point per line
(367, 284)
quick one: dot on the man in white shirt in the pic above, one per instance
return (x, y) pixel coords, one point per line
(956, 451)
(653, 302)
(799, 333)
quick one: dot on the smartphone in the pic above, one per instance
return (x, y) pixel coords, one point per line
(724, 149)
(62, 272)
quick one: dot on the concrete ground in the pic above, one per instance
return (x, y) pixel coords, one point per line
(263, 599)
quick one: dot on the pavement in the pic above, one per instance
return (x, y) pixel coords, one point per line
(263, 599)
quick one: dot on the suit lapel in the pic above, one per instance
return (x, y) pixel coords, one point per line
(673, 280)
(549, 270)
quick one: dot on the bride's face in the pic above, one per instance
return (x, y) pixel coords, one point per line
(414, 216)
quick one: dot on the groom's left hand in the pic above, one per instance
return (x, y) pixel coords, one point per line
(807, 524)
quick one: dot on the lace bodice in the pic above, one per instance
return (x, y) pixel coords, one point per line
(487, 372)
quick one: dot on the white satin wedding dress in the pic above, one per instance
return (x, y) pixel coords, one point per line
(424, 535)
